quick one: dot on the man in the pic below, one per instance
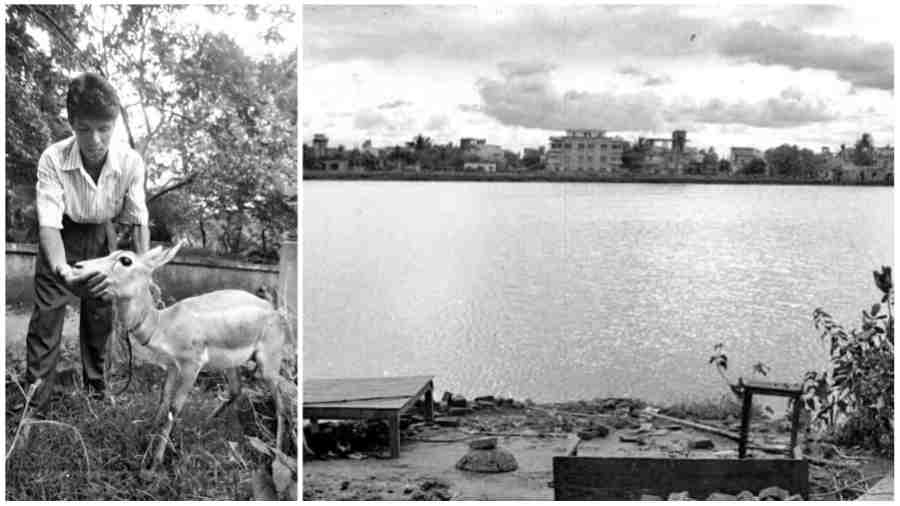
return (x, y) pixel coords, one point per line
(83, 183)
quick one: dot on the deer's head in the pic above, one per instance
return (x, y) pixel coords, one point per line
(128, 273)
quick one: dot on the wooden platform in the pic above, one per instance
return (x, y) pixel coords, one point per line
(604, 479)
(367, 398)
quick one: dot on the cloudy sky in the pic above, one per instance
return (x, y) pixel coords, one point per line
(729, 75)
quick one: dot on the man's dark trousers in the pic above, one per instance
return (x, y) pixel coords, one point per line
(81, 241)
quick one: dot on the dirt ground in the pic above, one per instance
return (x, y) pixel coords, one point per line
(428, 454)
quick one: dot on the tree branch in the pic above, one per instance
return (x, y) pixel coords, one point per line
(172, 187)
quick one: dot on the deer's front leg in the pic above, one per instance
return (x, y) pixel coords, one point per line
(187, 375)
(165, 399)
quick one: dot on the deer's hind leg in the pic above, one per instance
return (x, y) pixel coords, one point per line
(234, 390)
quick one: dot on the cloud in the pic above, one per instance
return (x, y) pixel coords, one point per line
(861, 63)
(469, 108)
(437, 122)
(370, 120)
(790, 109)
(466, 33)
(657, 80)
(526, 97)
(647, 78)
(395, 104)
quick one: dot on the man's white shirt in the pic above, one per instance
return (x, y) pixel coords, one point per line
(65, 187)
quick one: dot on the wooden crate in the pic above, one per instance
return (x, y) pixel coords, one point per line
(600, 478)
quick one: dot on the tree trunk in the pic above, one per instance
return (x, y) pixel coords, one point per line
(202, 233)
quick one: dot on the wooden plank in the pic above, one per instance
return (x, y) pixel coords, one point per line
(696, 425)
(598, 478)
(387, 403)
(333, 413)
(773, 388)
(349, 389)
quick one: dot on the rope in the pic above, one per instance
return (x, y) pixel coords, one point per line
(120, 332)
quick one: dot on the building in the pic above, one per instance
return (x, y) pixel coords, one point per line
(467, 143)
(337, 165)
(491, 153)
(740, 157)
(480, 167)
(478, 151)
(586, 150)
(320, 145)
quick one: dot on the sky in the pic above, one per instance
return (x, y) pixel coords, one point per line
(760, 76)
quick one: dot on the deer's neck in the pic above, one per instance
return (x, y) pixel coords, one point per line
(141, 317)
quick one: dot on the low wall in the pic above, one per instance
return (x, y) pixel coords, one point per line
(182, 277)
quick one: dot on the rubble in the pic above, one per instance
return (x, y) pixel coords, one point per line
(494, 460)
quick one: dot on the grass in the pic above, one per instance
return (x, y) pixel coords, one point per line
(710, 409)
(210, 460)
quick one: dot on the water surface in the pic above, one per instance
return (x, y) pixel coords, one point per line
(561, 291)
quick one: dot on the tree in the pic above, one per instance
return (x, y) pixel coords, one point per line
(511, 160)
(791, 161)
(756, 167)
(214, 125)
(724, 166)
(864, 151)
(533, 159)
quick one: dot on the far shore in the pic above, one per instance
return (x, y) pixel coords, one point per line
(555, 177)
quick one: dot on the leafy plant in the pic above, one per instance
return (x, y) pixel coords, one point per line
(720, 360)
(854, 396)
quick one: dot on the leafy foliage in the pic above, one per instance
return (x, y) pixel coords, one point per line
(864, 151)
(757, 166)
(791, 161)
(216, 126)
(854, 396)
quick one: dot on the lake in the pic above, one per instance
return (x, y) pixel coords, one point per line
(558, 291)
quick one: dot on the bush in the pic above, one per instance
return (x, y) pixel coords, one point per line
(854, 397)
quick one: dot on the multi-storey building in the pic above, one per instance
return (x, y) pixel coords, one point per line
(467, 143)
(585, 150)
(320, 145)
(740, 157)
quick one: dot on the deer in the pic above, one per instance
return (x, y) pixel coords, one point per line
(219, 330)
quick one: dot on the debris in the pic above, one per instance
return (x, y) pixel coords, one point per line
(485, 443)
(458, 401)
(596, 431)
(496, 460)
(632, 439)
(650, 497)
(718, 496)
(679, 496)
(746, 495)
(701, 444)
(776, 493)
(447, 421)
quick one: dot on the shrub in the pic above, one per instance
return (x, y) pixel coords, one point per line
(854, 396)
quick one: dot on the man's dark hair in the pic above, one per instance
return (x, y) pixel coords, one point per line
(91, 97)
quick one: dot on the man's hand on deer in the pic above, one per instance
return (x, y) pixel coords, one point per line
(84, 283)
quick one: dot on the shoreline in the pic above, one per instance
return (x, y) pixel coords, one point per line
(545, 177)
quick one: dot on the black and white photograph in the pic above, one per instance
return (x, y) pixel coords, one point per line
(597, 252)
(151, 252)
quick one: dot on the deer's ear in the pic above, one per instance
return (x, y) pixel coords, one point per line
(157, 257)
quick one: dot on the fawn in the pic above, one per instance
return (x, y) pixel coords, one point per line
(220, 330)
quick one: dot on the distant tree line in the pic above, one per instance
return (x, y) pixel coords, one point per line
(784, 161)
